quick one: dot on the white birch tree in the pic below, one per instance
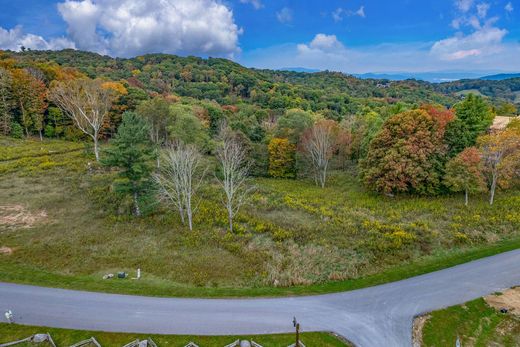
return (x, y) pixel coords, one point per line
(234, 172)
(87, 103)
(319, 143)
(179, 178)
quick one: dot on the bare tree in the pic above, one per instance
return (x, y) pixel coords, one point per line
(179, 178)
(318, 144)
(87, 103)
(234, 171)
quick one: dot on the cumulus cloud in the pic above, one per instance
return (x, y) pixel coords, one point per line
(133, 27)
(482, 42)
(323, 43)
(484, 38)
(15, 38)
(509, 7)
(285, 15)
(257, 4)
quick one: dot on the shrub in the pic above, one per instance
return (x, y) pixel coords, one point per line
(16, 130)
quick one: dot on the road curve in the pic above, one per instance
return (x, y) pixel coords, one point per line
(375, 316)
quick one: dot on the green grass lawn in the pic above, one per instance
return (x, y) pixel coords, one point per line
(66, 228)
(475, 323)
(65, 337)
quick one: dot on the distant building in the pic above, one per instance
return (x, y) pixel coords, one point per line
(500, 123)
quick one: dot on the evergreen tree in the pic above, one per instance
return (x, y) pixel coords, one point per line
(473, 117)
(133, 153)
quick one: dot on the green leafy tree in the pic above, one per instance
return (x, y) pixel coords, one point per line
(188, 128)
(293, 123)
(132, 152)
(473, 117)
(157, 112)
(464, 173)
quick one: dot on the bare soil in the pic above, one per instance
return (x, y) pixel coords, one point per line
(6, 250)
(17, 216)
(509, 299)
(418, 324)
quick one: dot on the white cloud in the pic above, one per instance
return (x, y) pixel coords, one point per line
(485, 41)
(361, 12)
(133, 27)
(13, 39)
(339, 13)
(464, 5)
(509, 7)
(257, 4)
(482, 9)
(324, 43)
(285, 15)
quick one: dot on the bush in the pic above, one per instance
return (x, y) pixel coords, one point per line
(49, 131)
(16, 130)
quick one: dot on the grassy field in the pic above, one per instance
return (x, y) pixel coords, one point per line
(475, 323)
(63, 226)
(65, 337)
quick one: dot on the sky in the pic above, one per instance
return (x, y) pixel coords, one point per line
(352, 36)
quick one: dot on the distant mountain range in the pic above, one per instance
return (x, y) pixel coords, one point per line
(439, 77)
(500, 77)
(299, 69)
(434, 77)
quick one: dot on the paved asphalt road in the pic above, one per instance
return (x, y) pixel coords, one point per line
(376, 316)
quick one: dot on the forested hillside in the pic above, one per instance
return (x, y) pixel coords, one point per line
(248, 177)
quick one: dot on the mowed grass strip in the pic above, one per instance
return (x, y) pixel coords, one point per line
(67, 337)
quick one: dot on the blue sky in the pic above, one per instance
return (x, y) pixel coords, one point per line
(346, 35)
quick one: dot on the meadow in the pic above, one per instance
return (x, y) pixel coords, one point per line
(62, 225)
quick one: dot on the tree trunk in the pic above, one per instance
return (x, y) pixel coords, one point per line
(492, 190)
(41, 136)
(230, 217)
(466, 197)
(136, 206)
(96, 148)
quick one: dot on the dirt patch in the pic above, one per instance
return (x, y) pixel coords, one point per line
(6, 250)
(17, 216)
(418, 325)
(509, 299)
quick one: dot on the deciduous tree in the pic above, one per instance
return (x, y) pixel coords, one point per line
(464, 173)
(6, 101)
(180, 177)
(87, 103)
(403, 156)
(318, 143)
(501, 154)
(30, 94)
(233, 173)
(281, 158)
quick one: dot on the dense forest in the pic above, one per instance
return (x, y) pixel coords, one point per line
(275, 113)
